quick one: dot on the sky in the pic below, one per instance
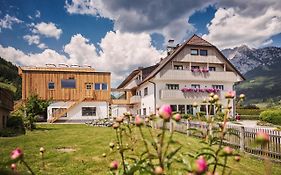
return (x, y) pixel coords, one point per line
(121, 35)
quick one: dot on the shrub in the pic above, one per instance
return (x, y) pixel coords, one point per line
(243, 111)
(271, 116)
(15, 127)
(249, 117)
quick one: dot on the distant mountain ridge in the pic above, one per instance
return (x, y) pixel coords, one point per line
(262, 69)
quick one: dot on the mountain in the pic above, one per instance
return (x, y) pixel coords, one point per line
(261, 68)
(9, 77)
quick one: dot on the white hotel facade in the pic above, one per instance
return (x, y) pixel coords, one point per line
(187, 75)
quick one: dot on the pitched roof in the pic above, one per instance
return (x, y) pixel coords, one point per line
(145, 72)
(198, 41)
(194, 41)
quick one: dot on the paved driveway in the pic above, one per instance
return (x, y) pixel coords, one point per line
(252, 124)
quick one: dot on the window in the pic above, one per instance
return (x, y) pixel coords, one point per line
(88, 111)
(189, 109)
(172, 86)
(88, 86)
(203, 52)
(181, 109)
(145, 91)
(178, 67)
(220, 87)
(212, 68)
(70, 83)
(211, 109)
(144, 111)
(139, 93)
(97, 86)
(195, 86)
(104, 86)
(51, 85)
(195, 68)
(194, 51)
(174, 108)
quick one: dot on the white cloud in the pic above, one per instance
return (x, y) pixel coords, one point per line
(37, 14)
(157, 16)
(119, 54)
(8, 21)
(47, 29)
(80, 51)
(239, 22)
(42, 46)
(32, 39)
(40, 59)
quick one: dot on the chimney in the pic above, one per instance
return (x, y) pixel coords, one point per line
(170, 47)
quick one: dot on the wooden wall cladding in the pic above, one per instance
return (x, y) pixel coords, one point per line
(36, 82)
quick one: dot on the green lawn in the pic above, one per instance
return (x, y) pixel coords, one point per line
(89, 144)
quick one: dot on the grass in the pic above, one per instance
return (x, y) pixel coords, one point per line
(89, 144)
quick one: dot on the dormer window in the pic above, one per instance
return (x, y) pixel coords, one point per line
(203, 52)
(194, 51)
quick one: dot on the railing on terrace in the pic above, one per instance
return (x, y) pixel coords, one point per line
(199, 76)
(243, 139)
(135, 99)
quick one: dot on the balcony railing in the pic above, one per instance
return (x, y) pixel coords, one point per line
(199, 75)
(166, 94)
(135, 99)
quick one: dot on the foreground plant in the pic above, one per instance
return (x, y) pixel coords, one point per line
(18, 156)
(161, 151)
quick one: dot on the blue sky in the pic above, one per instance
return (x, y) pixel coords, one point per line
(118, 35)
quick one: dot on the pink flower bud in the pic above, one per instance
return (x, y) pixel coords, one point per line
(177, 117)
(138, 120)
(165, 112)
(119, 119)
(13, 166)
(115, 125)
(113, 165)
(230, 94)
(237, 158)
(158, 170)
(227, 150)
(16, 154)
(201, 165)
(262, 138)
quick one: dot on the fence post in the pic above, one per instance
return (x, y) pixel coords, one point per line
(242, 139)
(187, 128)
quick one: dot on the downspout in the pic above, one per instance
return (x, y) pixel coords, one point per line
(154, 95)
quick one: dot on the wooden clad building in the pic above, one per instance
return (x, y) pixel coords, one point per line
(77, 93)
(6, 105)
(65, 84)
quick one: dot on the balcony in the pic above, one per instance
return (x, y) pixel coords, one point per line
(166, 94)
(135, 99)
(199, 76)
(133, 84)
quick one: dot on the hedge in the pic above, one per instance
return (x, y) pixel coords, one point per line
(271, 116)
(242, 111)
(249, 117)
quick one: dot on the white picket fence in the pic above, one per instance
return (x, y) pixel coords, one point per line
(244, 138)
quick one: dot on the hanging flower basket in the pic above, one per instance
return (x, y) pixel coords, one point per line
(208, 90)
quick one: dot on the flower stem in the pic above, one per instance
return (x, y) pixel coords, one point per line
(160, 149)
(224, 165)
(27, 166)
